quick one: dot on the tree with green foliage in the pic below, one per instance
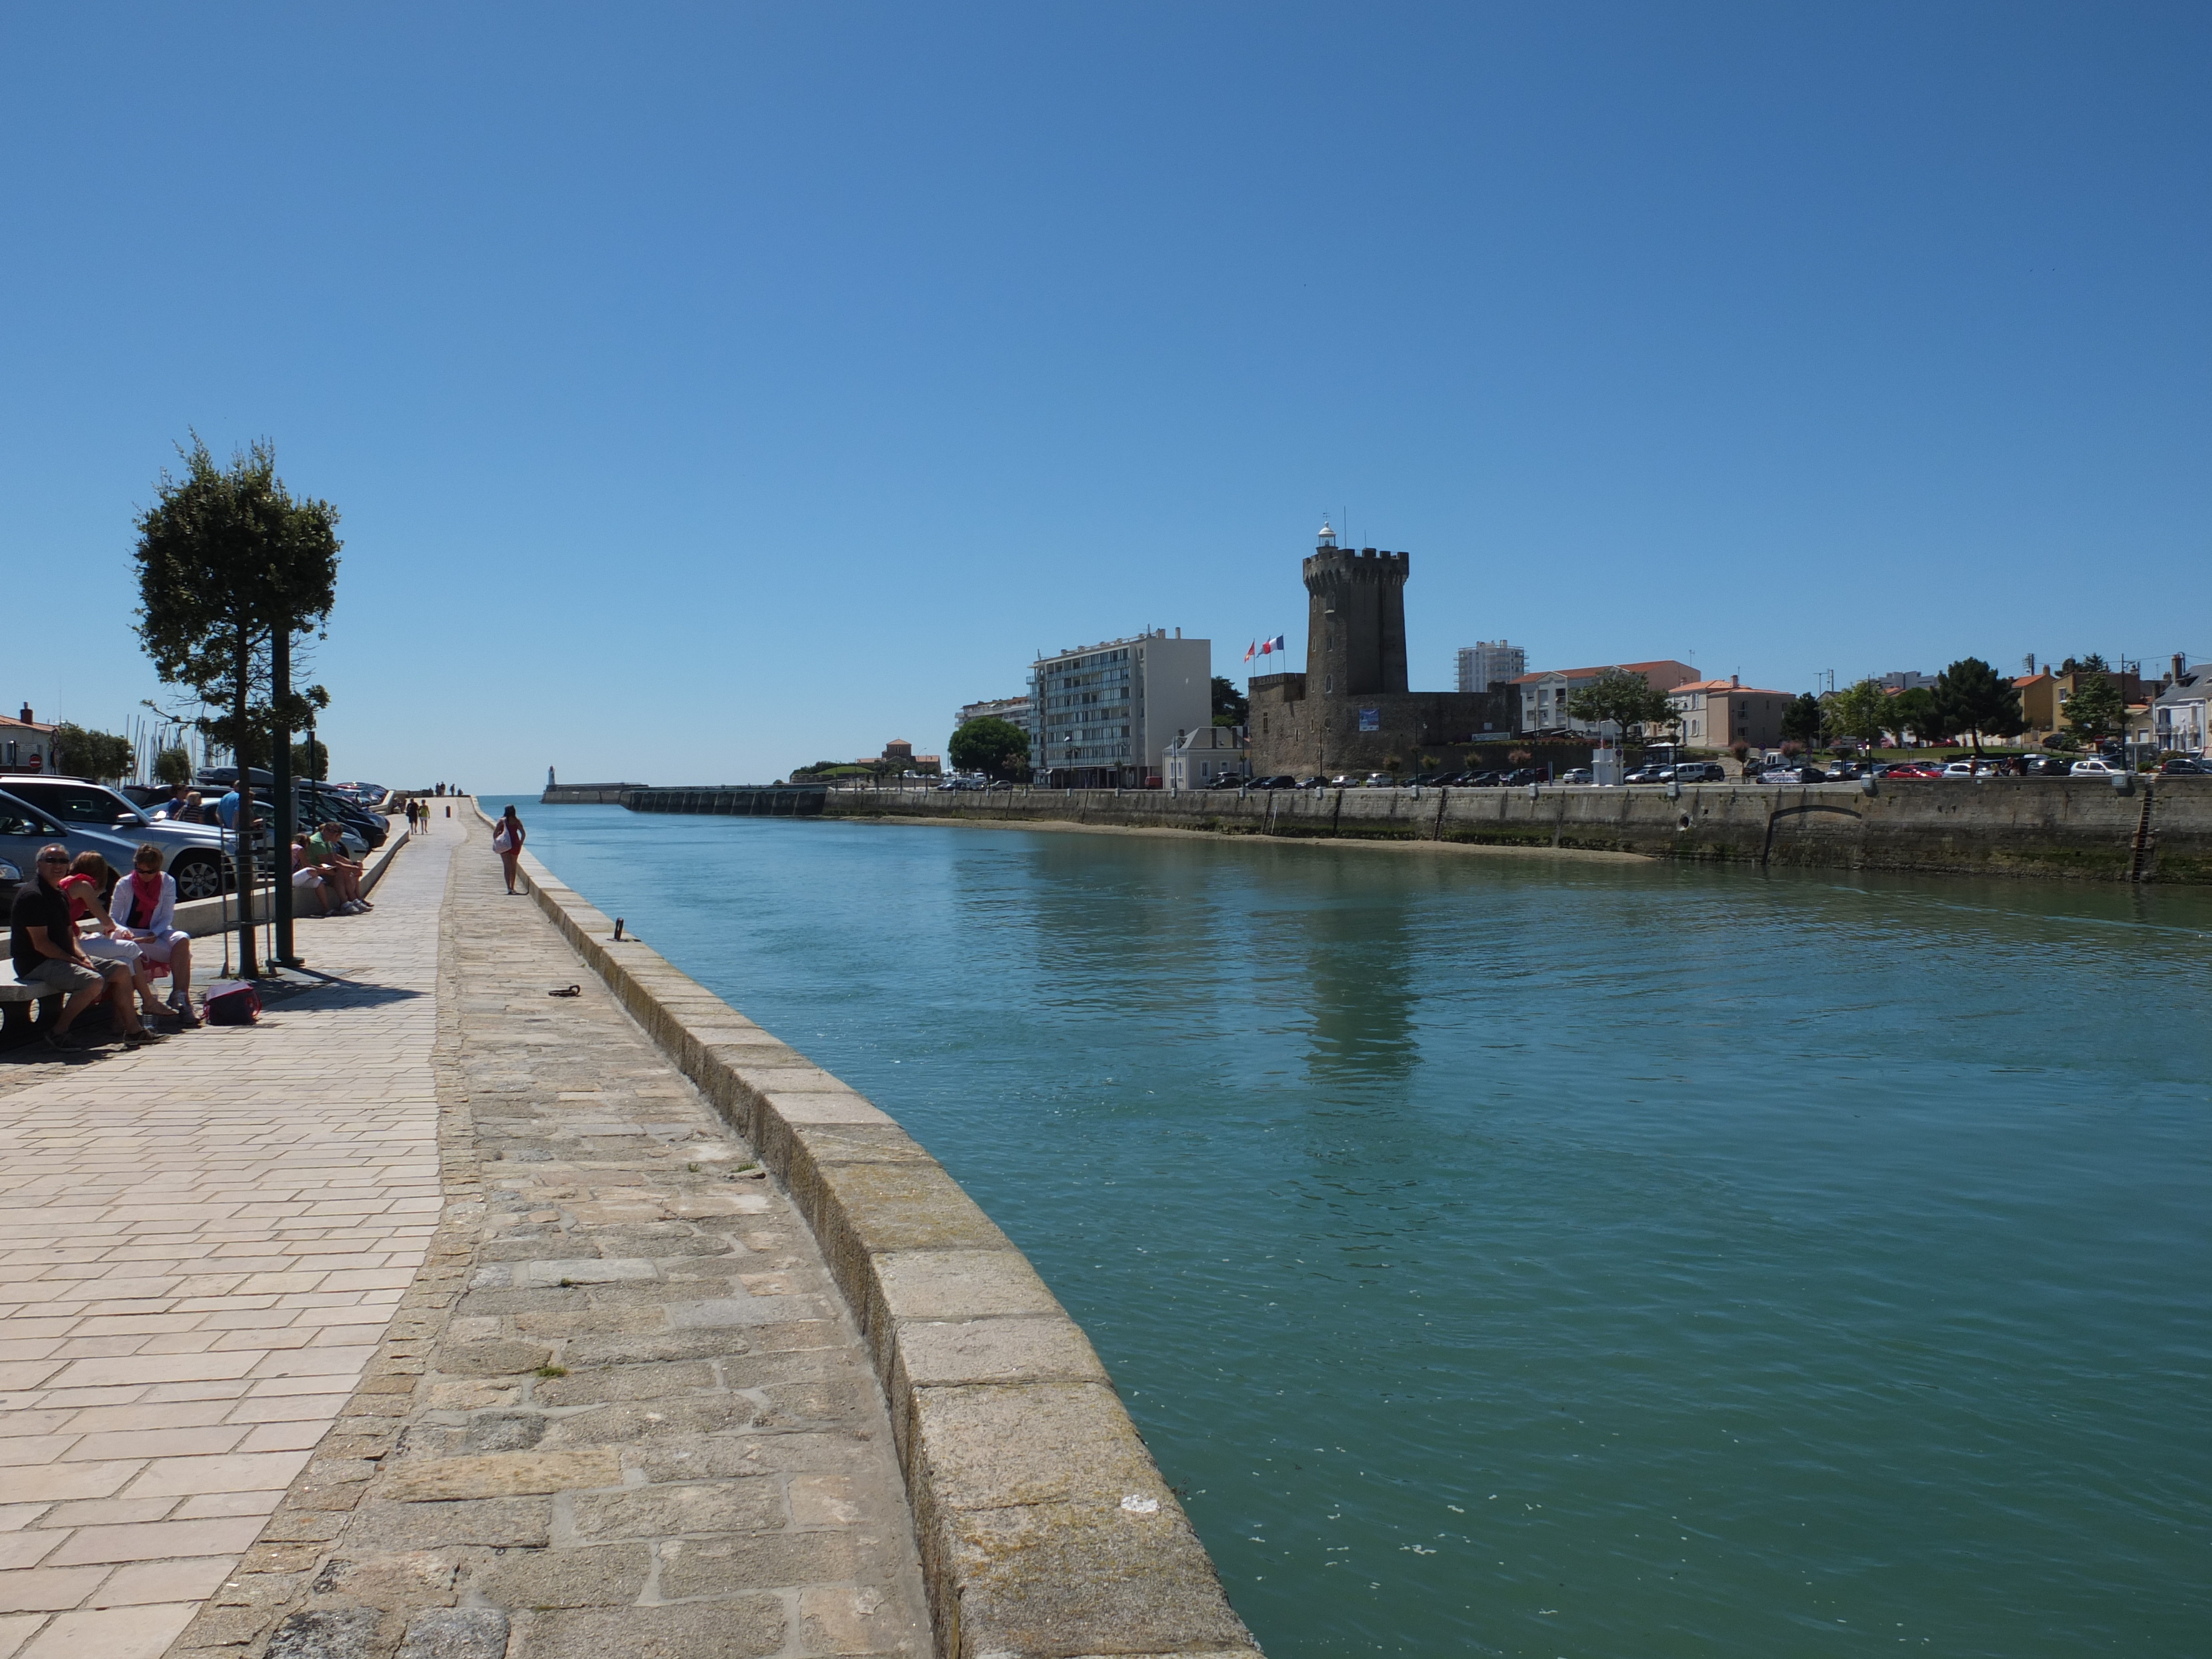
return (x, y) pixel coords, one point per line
(1803, 719)
(1624, 699)
(79, 753)
(2096, 710)
(311, 759)
(1862, 711)
(1231, 705)
(997, 748)
(1917, 711)
(1978, 701)
(226, 558)
(174, 765)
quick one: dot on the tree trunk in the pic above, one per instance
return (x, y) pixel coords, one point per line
(242, 752)
(280, 765)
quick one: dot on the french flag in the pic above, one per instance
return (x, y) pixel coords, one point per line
(1267, 646)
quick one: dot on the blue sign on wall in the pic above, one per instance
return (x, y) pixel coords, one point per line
(1370, 720)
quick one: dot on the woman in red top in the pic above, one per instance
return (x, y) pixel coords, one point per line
(86, 881)
(507, 841)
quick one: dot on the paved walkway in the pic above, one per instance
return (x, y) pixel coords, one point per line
(200, 1244)
(601, 1398)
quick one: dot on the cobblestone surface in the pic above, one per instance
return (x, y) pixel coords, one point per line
(621, 1410)
(200, 1244)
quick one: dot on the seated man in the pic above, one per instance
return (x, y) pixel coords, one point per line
(327, 847)
(308, 879)
(44, 948)
(145, 908)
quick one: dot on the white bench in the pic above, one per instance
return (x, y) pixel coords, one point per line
(16, 1001)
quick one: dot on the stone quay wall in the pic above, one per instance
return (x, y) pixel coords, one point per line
(2052, 827)
(586, 794)
(1045, 1527)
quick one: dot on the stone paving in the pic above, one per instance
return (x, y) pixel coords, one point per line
(200, 1245)
(622, 1409)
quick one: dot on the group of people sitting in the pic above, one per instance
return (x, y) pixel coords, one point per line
(129, 933)
(320, 867)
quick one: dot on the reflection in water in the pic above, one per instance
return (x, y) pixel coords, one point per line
(1595, 1259)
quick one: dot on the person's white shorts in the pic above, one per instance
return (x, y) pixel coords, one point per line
(101, 948)
(306, 878)
(158, 947)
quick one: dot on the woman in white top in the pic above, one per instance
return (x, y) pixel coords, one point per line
(144, 909)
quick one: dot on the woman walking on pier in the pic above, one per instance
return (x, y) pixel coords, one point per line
(507, 841)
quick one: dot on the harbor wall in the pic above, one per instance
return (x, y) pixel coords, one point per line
(2056, 827)
(1045, 1527)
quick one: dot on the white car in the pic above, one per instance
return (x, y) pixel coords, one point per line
(196, 852)
(2093, 768)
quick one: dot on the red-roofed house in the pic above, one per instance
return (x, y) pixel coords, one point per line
(1543, 697)
(1720, 714)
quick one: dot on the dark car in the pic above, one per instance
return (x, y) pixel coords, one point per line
(1525, 774)
(1280, 781)
(2181, 766)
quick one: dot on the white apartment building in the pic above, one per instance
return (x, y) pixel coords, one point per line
(1490, 662)
(1015, 711)
(1108, 713)
(1543, 695)
(1203, 755)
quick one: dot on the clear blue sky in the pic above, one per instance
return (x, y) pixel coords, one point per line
(710, 389)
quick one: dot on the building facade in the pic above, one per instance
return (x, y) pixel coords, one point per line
(1541, 698)
(1201, 757)
(1720, 714)
(1106, 714)
(1490, 662)
(26, 744)
(1351, 710)
(2178, 717)
(1015, 711)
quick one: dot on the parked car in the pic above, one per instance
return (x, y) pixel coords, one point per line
(1525, 774)
(2047, 766)
(1650, 775)
(194, 852)
(2094, 768)
(1280, 781)
(1228, 781)
(24, 828)
(2181, 766)
(1579, 774)
(1701, 772)
(1378, 780)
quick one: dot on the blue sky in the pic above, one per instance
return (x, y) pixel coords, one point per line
(709, 389)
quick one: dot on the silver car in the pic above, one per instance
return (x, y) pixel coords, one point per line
(24, 828)
(194, 851)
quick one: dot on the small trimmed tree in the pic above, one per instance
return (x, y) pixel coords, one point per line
(1801, 720)
(2096, 710)
(1978, 701)
(174, 765)
(226, 558)
(997, 748)
(1626, 699)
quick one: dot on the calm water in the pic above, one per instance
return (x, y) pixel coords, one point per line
(1589, 1260)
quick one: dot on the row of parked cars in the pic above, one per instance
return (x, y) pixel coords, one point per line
(39, 808)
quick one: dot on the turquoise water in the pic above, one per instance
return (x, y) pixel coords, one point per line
(1591, 1260)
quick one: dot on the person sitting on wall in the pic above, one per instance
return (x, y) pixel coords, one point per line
(87, 886)
(308, 878)
(328, 846)
(144, 907)
(43, 946)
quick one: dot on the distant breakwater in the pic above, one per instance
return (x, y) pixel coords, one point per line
(2069, 828)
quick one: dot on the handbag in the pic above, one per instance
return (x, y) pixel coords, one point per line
(502, 843)
(233, 1002)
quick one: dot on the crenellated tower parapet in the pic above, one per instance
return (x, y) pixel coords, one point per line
(1355, 620)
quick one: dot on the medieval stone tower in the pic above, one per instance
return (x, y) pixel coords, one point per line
(1355, 620)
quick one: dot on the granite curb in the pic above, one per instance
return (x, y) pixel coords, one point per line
(1045, 1530)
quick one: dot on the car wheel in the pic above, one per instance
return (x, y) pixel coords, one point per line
(200, 875)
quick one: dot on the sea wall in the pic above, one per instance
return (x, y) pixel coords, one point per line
(586, 794)
(2064, 827)
(1045, 1527)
